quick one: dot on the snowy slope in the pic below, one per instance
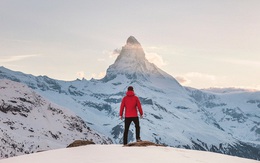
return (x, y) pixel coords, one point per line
(118, 154)
(174, 115)
(30, 123)
(236, 112)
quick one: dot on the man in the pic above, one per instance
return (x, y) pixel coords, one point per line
(130, 104)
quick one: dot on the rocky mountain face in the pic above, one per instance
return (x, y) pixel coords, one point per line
(174, 115)
(30, 123)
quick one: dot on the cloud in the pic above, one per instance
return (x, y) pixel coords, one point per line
(111, 54)
(98, 76)
(16, 58)
(156, 59)
(182, 80)
(203, 80)
(81, 74)
(151, 57)
(193, 77)
(196, 79)
(258, 87)
(114, 53)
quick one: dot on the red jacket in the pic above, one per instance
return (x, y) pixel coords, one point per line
(130, 104)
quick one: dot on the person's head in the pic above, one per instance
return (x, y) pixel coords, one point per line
(130, 88)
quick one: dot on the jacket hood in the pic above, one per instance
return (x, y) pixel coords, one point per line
(130, 93)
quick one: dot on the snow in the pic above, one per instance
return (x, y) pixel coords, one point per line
(30, 123)
(118, 154)
(174, 115)
(132, 62)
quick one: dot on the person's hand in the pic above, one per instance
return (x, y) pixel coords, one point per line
(141, 116)
(121, 117)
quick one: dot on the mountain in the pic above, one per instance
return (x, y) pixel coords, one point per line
(118, 154)
(132, 66)
(30, 123)
(174, 115)
(132, 63)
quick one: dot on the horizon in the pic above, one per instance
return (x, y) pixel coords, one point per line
(194, 42)
(210, 88)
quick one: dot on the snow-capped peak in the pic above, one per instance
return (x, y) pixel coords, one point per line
(131, 53)
(132, 63)
(132, 41)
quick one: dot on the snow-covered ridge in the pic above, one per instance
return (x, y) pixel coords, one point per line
(229, 90)
(30, 123)
(118, 154)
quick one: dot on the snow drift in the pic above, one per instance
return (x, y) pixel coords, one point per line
(119, 154)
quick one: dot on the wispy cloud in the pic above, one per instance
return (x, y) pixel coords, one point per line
(98, 75)
(109, 55)
(196, 77)
(151, 57)
(81, 74)
(203, 80)
(156, 59)
(114, 53)
(6, 59)
(182, 80)
(258, 87)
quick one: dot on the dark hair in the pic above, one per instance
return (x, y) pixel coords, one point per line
(130, 88)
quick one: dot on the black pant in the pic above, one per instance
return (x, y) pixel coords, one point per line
(128, 121)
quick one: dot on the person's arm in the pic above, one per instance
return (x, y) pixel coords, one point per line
(139, 106)
(122, 106)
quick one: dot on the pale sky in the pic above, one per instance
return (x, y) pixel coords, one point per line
(202, 43)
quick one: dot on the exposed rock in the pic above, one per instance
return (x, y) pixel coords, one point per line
(143, 144)
(78, 143)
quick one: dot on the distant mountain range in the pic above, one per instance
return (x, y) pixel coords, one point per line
(225, 122)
